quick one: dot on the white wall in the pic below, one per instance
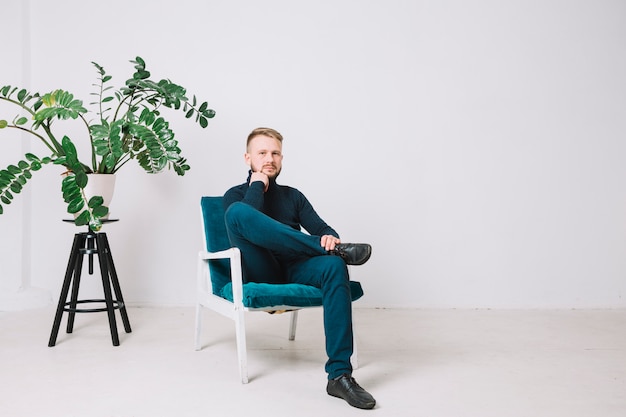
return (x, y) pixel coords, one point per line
(477, 145)
(16, 289)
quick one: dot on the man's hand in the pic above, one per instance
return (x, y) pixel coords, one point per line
(259, 176)
(328, 242)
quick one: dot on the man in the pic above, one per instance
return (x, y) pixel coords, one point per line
(264, 221)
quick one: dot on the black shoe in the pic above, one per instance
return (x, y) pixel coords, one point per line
(353, 253)
(347, 388)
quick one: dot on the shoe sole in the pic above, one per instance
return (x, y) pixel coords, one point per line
(367, 406)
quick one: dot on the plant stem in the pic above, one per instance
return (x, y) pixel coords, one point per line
(93, 148)
(59, 149)
(43, 139)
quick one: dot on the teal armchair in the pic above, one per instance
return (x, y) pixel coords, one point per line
(221, 288)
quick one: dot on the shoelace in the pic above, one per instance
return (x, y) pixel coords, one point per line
(353, 382)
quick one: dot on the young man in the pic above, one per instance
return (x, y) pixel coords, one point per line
(264, 221)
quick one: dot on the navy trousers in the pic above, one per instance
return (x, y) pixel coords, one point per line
(276, 253)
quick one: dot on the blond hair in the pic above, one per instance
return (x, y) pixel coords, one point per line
(264, 131)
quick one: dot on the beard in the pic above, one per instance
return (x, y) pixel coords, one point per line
(272, 175)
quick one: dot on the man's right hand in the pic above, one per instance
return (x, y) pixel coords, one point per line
(259, 176)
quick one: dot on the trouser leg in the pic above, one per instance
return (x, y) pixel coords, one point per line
(266, 243)
(330, 274)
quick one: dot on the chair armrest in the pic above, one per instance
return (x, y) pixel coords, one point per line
(223, 254)
(236, 275)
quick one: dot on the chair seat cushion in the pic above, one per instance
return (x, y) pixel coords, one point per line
(261, 295)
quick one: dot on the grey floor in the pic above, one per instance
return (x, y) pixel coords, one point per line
(448, 363)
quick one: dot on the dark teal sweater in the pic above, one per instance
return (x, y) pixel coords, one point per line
(282, 203)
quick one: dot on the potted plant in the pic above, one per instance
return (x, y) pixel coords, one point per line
(128, 125)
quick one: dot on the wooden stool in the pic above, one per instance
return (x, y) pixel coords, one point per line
(90, 243)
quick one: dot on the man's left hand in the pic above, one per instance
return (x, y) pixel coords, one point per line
(328, 242)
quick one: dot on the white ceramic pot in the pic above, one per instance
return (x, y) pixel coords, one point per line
(102, 185)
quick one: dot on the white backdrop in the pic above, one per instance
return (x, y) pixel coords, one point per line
(477, 145)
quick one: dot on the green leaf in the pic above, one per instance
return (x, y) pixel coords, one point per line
(14, 170)
(71, 154)
(21, 121)
(159, 124)
(7, 175)
(81, 179)
(16, 187)
(82, 219)
(95, 201)
(100, 211)
(99, 131)
(140, 63)
(69, 183)
(3, 124)
(69, 190)
(109, 162)
(75, 205)
(95, 224)
(146, 117)
(141, 75)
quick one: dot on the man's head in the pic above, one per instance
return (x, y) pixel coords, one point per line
(264, 151)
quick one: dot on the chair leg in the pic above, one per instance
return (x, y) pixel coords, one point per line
(198, 326)
(240, 330)
(292, 325)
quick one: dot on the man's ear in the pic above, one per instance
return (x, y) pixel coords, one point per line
(246, 158)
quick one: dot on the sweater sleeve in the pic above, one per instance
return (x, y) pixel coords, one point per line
(250, 194)
(311, 221)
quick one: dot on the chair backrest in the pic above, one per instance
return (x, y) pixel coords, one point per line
(216, 240)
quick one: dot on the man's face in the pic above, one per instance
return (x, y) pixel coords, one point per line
(265, 155)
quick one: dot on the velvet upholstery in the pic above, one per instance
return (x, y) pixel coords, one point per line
(255, 295)
(216, 240)
(260, 295)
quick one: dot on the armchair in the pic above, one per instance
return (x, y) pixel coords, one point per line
(222, 290)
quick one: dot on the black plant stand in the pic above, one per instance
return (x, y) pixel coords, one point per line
(90, 243)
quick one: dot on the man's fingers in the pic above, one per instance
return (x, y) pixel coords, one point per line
(329, 242)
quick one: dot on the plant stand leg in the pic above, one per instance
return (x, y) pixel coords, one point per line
(76, 284)
(106, 286)
(72, 270)
(104, 241)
